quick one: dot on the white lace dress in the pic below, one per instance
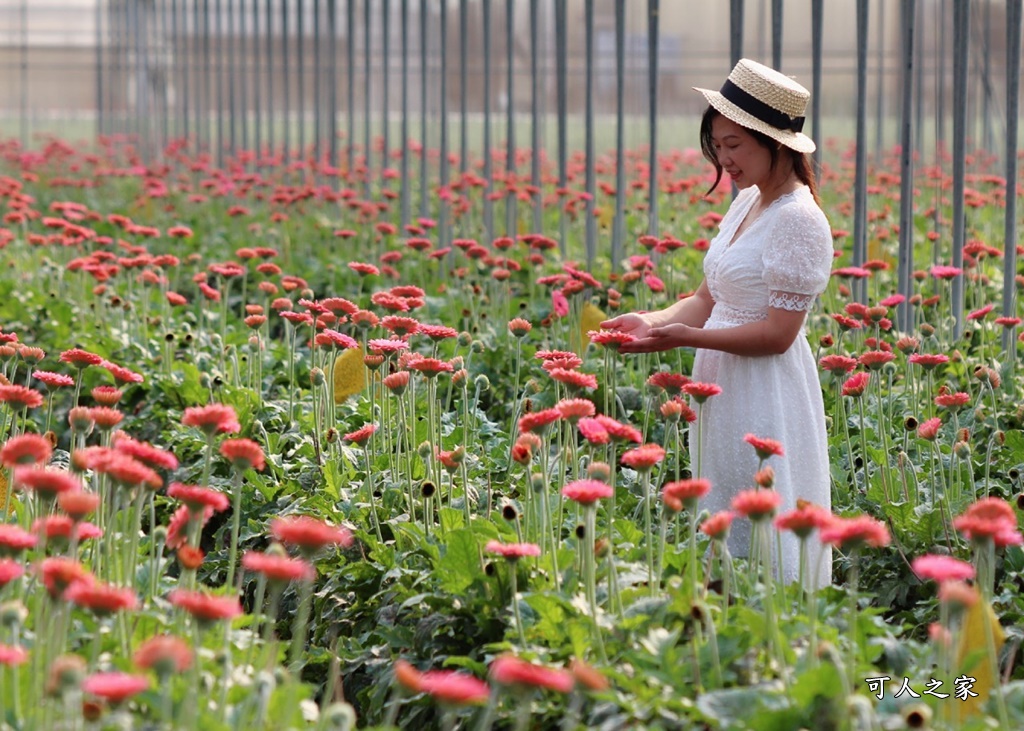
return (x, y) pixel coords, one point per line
(782, 259)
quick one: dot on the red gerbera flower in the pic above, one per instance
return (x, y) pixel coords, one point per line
(512, 551)
(14, 540)
(53, 380)
(875, 359)
(765, 448)
(206, 608)
(837, 365)
(12, 655)
(804, 519)
(449, 687)
(619, 431)
(102, 599)
(212, 419)
(587, 492)
(198, 498)
(243, 454)
(593, 431)
(115, 688)
(671, 383)
(757, 504)
(26, 449)
(20, 397)
(511, 670)
(431, 367)
(46, 483)
(80, 358)
(309, 534)
(928, 361)
(106, 395)
(611, 339)
(360, 436)
(855, 384)
(684, 493)
(952, 401)
(643, 458)
(701, 392)
(278, 568)
(538, 421)
(165, 654)
(9, 571)
(60, 573)
(851, 533)
(942, 568)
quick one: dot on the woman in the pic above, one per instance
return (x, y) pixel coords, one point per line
(763, 272)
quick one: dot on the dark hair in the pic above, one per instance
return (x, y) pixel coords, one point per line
(802, 165)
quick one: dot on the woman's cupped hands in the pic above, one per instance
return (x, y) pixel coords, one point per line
(650, 339)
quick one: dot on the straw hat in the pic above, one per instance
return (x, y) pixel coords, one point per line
(762, 99)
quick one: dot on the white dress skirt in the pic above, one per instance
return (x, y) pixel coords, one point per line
(782, 259)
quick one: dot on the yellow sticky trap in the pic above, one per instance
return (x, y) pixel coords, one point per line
(973, 643)
(349, 374)
(590, 319)
(3, 493)
(605, 216)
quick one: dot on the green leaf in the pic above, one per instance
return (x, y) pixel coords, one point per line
(460, 561)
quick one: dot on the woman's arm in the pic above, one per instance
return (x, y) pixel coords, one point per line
(693, 311)
(766, 337)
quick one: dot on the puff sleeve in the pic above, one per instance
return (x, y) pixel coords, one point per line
(797, 257)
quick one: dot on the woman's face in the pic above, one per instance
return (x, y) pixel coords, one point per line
(742, 158)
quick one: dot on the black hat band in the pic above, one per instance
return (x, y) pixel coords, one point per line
(757, 108)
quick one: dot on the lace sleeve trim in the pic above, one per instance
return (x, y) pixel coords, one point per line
(791, 301)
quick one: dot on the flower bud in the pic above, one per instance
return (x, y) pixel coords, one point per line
(12, 614)
(599, 471)
(465, 339)
(538, 481)
(425, 450)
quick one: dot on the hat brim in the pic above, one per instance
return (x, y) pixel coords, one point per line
(794, 140)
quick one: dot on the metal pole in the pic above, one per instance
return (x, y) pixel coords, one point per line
(510, 134)
(817, 26)
(653, 11)
(620, 162)
(488, 160)
(463, 81)
(286, 81)
(242, 47)
(385, 64)
(367, 83)
(350, 53)
(218, 26)
(300, 74)
(228, 40)
(443, 183)
(257, 105)
(986, 78)
(538, 209)
(590, 224)
(100, 111)
(860, 184)
(777, 34)
(880, 89)
(1013, 56)
(181, 54)
(332, 80)
(906, 243)
(162, 10)
(317, 88)
(207, 98)
(405, 114)
(940, 85)
(424, 193)
(735, 31)
(561, 65)
(961, 54)
(271, 136)
(919, 79)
